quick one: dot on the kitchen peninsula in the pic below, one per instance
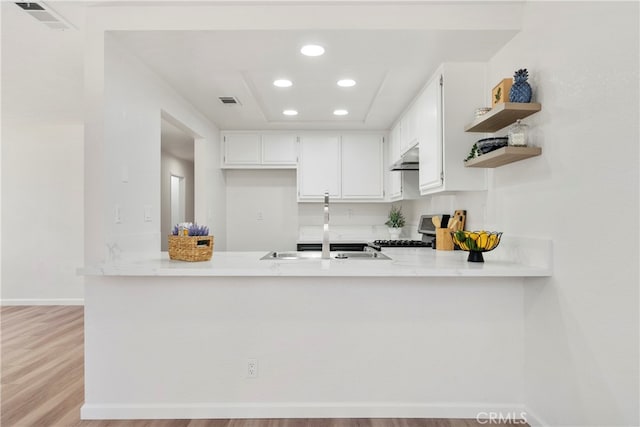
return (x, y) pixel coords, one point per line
(244, 337)
(404, 263)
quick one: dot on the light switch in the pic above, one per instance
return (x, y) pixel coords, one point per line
(124, 174)
(147, 213)
(117, 215)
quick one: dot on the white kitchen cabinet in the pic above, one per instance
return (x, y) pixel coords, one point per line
(362, 166)
(257, 150)
(402, 185)
(279, 149)
(395, 177)
(430, 151)
(319, 166)
(242, 149)
(349, 166)
(395, 137)
(405, 185)
(409, 128)
(444, 105)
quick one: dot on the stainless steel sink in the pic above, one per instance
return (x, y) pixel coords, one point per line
(318, 255)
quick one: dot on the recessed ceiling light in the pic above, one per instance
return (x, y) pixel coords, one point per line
(312, 50)
(346, 82)
(340, 112)
(282, 83)
(290, 112)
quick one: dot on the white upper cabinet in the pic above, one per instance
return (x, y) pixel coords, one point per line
(430, 130)
(242, 149)
(444, 106)
(362, 166)
(395, 137)
(279, 149)
(395, 177)
(409, 128)
(349, 166)
(256, 150)
(319, 166)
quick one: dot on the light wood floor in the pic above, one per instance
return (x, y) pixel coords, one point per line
(42, 379)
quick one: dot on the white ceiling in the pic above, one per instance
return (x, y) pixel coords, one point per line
(390, 66)
(42, 69)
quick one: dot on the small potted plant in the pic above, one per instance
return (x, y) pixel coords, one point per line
(395, 222)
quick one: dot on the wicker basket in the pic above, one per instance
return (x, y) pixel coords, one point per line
(191, 248)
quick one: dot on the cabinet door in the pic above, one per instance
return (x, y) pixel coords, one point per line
(395, 177)
(242, 149)
(362, 167)
(409, 129)
(430, 135)
(279, 149)
(319, 166)
(395, 137)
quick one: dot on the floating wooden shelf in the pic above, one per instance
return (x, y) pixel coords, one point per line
(502, 115)
(503, 156)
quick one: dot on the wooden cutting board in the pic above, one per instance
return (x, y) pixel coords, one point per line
(461, 216)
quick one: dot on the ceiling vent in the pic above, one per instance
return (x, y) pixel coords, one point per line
(45, 14)
(229, 100)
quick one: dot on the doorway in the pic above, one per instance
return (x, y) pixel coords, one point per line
(177, 178)
(177, 200)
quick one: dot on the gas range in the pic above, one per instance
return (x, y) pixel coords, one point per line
(379, 244)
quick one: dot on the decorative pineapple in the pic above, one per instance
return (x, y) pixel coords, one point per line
(520, 90)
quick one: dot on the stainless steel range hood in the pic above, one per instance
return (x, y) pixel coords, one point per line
(408, 162)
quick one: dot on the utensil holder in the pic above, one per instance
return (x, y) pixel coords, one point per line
(444, 241)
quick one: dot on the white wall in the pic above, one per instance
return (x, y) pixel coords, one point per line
(123, 167)
(261, 210)
(42, 150)
(171, 165)
(581, 326)
(349, 222)
(42, 218)
(345, 214)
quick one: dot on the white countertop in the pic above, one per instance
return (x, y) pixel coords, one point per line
(409, 262)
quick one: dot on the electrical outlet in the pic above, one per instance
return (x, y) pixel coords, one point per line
(260, 216)
(252, 368)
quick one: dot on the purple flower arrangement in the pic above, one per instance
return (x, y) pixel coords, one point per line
(189, 229)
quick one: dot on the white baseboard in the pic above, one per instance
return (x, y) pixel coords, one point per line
(91, 411)
(41, 301)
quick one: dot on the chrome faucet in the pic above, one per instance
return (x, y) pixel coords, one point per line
(326, 248)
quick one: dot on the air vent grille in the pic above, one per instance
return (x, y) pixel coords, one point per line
(45, 14)
(30, 6)
(229, 100)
